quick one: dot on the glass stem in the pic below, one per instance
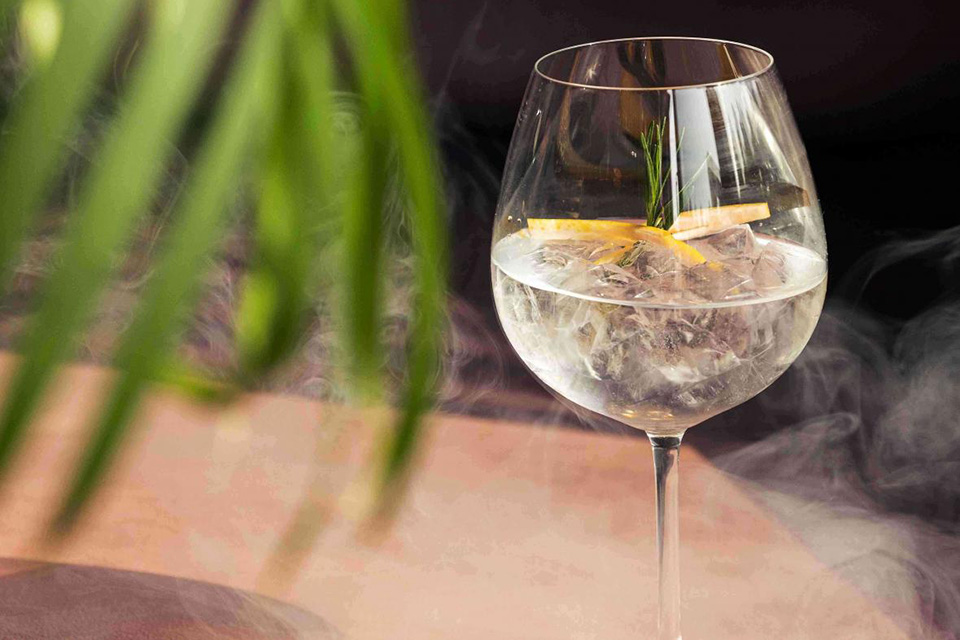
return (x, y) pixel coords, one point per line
(666, 457)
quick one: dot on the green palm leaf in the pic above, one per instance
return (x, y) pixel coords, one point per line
(246, 107)
(279, 292)
(283, 85)
(47, 112)
(121, 185)
(388, 82)
(364, 223)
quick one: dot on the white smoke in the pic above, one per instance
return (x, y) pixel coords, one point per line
(864, 460)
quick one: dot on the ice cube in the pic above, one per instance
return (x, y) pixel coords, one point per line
(599, 250)
(679, 372)
(771, 270)
(712, 362)
(623, 284)
(603, 281)
(649, 260)
(550, 256)
(718, 281)
(734, 242)
(557, 272)
(698, 397)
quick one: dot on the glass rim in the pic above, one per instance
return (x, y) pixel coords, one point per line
(601, 87)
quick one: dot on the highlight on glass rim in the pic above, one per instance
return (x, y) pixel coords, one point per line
(333, 319)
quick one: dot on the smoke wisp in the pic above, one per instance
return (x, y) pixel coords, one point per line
(864, 459)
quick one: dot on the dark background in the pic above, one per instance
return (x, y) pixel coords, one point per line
(873, 86)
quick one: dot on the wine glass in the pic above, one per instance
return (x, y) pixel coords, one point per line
(658, 253)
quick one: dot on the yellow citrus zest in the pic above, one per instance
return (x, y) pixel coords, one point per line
(560, 228)
(697, 223)
(619, 232)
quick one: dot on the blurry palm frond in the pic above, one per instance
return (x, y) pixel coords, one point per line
(318, 218)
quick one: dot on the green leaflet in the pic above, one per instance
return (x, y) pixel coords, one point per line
(47, 112)
(392, 95)
(114, 195)
(245, 108)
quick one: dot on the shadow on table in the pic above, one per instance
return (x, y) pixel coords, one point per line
(41, 601)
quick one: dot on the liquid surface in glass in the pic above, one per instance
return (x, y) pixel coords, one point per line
(659, 335)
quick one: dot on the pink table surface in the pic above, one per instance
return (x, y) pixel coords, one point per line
(510, 531)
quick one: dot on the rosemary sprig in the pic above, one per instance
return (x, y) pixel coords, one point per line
(630, 257)
(651, 141)
(659, 212)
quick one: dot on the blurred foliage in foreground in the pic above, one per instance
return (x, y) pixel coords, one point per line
(318, 223)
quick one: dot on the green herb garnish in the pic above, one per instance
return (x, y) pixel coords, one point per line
(652, 143)
(630, 257)
(659, 211)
